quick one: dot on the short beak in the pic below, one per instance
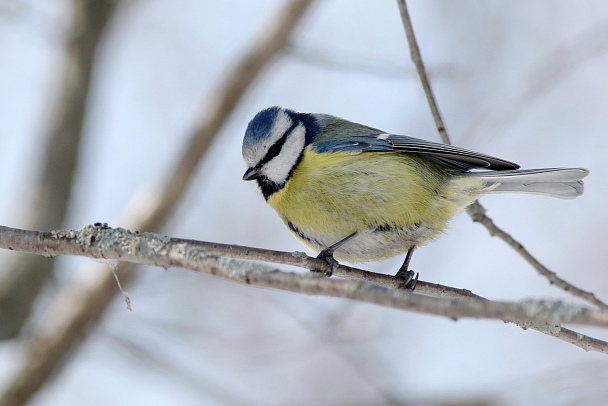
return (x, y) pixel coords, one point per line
(251, 174)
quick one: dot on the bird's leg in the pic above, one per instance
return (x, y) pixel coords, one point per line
(411, 277)
(327, 254)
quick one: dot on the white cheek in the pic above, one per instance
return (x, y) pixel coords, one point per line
(278, 168)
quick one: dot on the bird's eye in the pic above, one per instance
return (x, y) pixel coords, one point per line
(274, 150)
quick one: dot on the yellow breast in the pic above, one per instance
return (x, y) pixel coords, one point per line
(392, 200)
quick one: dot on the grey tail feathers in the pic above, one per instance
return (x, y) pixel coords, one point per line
(564, 183)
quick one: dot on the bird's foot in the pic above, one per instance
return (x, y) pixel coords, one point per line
(410, 279)
(327, 255)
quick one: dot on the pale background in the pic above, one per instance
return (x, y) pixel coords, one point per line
(525, 81)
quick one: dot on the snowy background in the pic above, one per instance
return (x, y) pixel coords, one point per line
(524, 81)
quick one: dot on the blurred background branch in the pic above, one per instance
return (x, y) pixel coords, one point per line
(20, 285)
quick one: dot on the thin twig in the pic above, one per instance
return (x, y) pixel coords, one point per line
(125, 294)
(419, 64)
(477, 211)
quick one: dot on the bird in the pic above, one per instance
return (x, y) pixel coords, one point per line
(354, 193)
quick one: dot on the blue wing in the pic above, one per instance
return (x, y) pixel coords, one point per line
(354, 145)
(447, 156)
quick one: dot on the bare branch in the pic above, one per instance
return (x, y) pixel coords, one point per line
(476, 211)
(302, 260)
(418, 63)
(102, 242)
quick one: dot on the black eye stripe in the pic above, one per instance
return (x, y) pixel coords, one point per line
(276, 148)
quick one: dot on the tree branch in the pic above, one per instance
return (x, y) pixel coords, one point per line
(102, 242)
(476, 211)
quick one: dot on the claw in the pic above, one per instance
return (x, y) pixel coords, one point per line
(411, 279)
(327, 255)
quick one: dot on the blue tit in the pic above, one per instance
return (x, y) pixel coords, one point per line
(357, 194)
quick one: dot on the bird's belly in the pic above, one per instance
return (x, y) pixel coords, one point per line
(392, 201)
(372, 244)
